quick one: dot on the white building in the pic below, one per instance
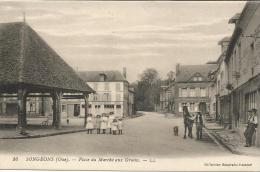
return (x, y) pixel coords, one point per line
(113, 93)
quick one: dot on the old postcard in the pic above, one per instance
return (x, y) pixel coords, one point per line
(129, 85)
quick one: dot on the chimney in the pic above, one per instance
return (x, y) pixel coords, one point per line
(177, 68)
(224, 44)
(102, 77)
(124, 72)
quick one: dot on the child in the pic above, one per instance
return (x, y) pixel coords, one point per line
(103, 126)
(114, 126)
(89, 125)
(98, 124)
(109, 121)
(120, 126)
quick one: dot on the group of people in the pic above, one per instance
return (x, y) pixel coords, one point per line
(189, 119)
(105, 122)
(251, 127)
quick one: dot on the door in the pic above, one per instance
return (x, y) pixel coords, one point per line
(76, 109)
(203, 107)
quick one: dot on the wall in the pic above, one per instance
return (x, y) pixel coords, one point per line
(222, 79)
(244, 68)
(167, 98)
(117, 96)
(245, 57)
(212, 98)
(196, 100)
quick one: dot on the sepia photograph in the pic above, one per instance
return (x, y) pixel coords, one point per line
(129, 85)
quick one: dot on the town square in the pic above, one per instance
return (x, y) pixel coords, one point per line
(139, 80)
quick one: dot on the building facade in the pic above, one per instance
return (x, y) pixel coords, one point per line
(192, 87)
(35, 106)
(167, 98)
(222, 93)
(113, 94)
(243, 64)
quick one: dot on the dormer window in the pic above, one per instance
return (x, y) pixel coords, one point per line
(197, 78)
(102, 77)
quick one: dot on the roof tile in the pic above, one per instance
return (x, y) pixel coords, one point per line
(34, 62)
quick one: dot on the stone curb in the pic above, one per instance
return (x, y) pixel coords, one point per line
(222, 142)
(44, 135)
(225, 145)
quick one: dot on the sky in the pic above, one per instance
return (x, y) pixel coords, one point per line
(99, 35)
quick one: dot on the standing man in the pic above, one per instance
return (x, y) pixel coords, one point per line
(251, 127)
(199, 125)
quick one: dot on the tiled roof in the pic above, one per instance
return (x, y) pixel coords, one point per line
(26, 58)
(94, 76)
(186, 72)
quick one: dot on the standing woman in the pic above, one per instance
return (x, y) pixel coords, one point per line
(251, 126)
(90, 125)
(103, 126)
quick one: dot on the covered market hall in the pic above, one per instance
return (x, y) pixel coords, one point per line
(29, 67)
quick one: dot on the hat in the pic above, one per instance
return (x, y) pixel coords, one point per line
(253, 110)
(250, 110)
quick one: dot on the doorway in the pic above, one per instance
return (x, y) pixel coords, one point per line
(203, 107)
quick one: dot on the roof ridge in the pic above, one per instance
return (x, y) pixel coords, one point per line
(12, 22)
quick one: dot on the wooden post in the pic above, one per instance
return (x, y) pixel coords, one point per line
(22, 121)
(57, 96)
(54, 110)
(86, 109)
